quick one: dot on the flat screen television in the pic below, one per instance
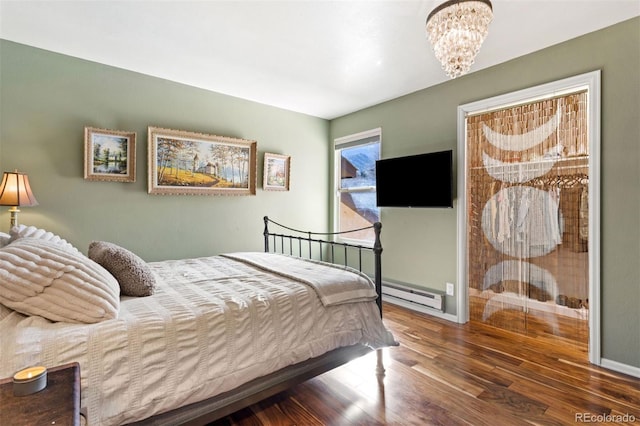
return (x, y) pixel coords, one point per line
(423, 180)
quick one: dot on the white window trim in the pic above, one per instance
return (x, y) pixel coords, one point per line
(341, 143)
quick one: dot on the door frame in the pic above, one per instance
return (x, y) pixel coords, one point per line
(591, 83)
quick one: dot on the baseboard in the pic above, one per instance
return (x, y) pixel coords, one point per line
(620, 368)
(419, 308)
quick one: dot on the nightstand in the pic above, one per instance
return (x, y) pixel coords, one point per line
(58, 404)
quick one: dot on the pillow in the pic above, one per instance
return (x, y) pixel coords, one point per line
(133, 274)
(42, 277)
(4, 239)
(23, 231)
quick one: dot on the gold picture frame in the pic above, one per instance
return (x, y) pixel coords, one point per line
(109, 155)
(189, 163)
(277, 170)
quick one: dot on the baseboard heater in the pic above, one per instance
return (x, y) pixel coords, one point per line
(433, 299)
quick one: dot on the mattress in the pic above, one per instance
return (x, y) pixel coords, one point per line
(213, 324)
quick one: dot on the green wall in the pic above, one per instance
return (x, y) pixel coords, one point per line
(47, 99)
(420, 245)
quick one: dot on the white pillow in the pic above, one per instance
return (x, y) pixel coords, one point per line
(23, 231)
(42, 277)
(4, 239)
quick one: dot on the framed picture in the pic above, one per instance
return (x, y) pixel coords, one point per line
(182, 162)
(276, 172)
(110, 155)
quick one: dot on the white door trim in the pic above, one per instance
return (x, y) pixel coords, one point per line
(591, 82)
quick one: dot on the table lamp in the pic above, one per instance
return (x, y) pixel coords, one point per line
(15, 192)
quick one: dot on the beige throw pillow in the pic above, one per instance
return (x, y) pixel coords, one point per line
(42, 277)
(24, 231)
(133, 274)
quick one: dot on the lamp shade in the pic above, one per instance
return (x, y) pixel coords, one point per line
(16, 191)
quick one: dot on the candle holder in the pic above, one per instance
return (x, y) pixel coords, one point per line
(29, 381)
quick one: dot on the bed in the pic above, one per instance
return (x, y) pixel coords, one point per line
(214, 334)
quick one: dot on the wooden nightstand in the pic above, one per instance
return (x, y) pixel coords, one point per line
(58, 404)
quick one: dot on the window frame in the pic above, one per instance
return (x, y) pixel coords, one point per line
(350, 141)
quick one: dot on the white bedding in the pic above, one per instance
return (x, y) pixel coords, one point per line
(213, 324)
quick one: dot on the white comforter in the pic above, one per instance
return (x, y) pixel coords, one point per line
(213, 324)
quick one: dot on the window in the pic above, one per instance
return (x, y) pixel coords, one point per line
(355, 184)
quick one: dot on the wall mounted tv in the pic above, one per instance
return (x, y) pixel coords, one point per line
(424, 180)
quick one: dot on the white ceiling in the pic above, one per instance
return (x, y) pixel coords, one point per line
(323, 58)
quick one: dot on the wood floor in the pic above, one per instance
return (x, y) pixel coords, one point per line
(448, 374)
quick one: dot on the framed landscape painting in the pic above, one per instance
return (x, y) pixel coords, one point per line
(110, 155)
(276, 172)
(182, 162)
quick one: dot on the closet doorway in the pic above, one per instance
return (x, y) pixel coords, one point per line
(528, 184)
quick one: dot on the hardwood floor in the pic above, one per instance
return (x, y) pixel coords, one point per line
(448, 374)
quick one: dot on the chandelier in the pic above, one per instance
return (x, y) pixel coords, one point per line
(456, 30)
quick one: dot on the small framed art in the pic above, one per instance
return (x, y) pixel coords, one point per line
(109, 155)
(276, 172)
(182, 162)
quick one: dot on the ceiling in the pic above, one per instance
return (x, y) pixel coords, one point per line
(323, 58)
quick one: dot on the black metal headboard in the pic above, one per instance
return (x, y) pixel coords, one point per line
(301, 246)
